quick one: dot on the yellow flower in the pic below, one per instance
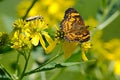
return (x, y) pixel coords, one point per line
(31, 32)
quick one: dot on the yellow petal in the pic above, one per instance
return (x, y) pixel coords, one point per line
(117, 67)
(47, 37)
(42, 41)
(86, 45)
(16, 34)
(35, 40)
(51, 46)
(68, 48)
(84, 56)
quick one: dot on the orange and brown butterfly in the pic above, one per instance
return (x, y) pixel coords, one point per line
(73, 27)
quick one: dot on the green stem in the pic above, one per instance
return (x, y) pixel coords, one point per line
(109, 20)
(50, 60)
(33, 3)
(25, 67)
(107, 10)
(17, 64)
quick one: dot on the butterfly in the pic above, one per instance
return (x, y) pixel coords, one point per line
(73, 27)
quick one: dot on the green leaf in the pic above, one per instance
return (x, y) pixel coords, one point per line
(58, 65)
(4, 75)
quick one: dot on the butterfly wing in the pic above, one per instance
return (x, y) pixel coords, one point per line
(70, 17)
(73, 27)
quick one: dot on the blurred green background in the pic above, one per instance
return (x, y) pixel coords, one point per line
(96, 13)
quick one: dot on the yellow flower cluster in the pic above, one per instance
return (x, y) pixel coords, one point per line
(30, 32)
(113, 53)
(50, 9)
(109, 50)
